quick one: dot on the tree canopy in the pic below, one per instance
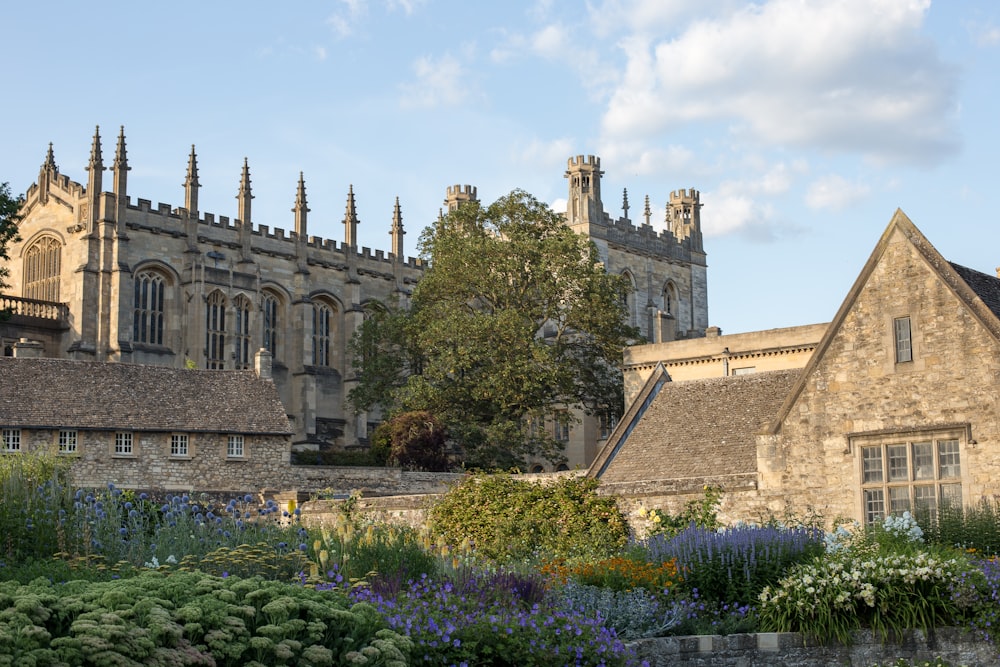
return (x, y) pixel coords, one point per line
(514, 320)
(9, 217)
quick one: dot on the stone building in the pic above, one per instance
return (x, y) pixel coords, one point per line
(895, 409)
(101, 276)
(144, 426)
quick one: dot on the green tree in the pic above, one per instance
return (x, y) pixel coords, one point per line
(514, 320)
(413, 440)
(10, 207)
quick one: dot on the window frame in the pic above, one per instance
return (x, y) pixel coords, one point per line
(149, 308)
(902, 336)
(215, 331)
(911, 471)
(67, 442)
(231, 446)
(322, 328)
(10, 439)
(124, 444)
(243, 336)
(180, 446)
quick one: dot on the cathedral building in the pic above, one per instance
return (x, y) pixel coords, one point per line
(99, 276)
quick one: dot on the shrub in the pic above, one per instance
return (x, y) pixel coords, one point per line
(190, 619)
(617, 573)
(633, 614)
(838, 593)
(700, 513)
(35, 493)
(976, 528)
(416, 440)
(508, 519)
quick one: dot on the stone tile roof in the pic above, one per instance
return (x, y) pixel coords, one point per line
(54, 393)
(985, 286)
(701, 428)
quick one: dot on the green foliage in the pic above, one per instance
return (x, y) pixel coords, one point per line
(34, 490)
(883, 589)
(701, 513)
(338, 457)
(9, 218)
(508, 519)
(416, 441)
(515, 310)
(975, 528)
(190, 619)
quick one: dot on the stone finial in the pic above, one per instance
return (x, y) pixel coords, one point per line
(396, 233)
(95, 169)
(96, 160)
(350, 220)
(301, 208)
(50, 161)
(191, 185)
(244, 195)
(625, 202)
(646, 212)
(121, 159)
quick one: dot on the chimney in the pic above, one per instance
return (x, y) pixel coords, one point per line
(262, 364)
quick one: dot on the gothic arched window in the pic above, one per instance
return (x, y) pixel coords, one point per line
(272, 321)
(242, 333)
(42, 265)
(321, 330)
(670, 299)
(215, 331)
(148, 308)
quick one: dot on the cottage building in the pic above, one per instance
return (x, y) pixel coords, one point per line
(897, 407)
(146, 426)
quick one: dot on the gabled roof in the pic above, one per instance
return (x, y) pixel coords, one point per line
(697, 428)
(88, 395)
(979, 292)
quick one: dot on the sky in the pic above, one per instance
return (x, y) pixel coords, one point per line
(804, 124)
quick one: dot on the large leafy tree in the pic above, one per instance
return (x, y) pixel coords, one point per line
(9, 217)
(514, 320)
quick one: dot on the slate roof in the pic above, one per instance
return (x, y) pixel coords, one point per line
(59, 393)
(701, 428)
(985, 286)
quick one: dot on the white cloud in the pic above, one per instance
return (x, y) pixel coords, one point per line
(835, 192)
(439, 82)
(854, 76)
(343, 21)
(984, 34)
(546, 153)
(407, 6)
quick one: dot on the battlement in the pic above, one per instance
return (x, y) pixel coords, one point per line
(461, 192)
(690, 196)
(581, 161)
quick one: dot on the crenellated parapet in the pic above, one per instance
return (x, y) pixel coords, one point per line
(456, 195)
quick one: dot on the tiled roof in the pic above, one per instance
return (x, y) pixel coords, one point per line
(54, 393)
(985, 286)
(701, 428)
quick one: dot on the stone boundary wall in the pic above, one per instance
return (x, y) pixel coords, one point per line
(790, 649)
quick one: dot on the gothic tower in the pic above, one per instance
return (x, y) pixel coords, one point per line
(584, 205)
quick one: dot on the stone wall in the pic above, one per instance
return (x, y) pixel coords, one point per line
(789, 649)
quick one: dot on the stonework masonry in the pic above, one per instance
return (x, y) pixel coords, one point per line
(176, 286)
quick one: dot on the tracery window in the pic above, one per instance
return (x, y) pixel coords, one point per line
(42, 262)
(670, 299)
(322, 315)
(242, 333)
(271, 323)
(215, 331)
(148, 311)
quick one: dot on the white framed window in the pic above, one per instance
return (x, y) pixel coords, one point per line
(904, 341)
(67, 442)
(905, 474)
(11, 440)
(179, 444)
(123, 443)
(234, 447)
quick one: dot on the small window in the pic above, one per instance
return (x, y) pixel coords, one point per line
(745, 370)
(179, 444)
(123, 444)
(904, 344)
(11, 440)
(562, 428)
(67, 442)
(606, 425)
(234, 448)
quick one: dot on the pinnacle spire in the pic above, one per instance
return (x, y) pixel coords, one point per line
(646, 212)
(350, 219)
(397, 232)
(50, 161)
(625, 202)
(191, 185)
(301, 208)
(244, 195)
(96, 160)
(121, 160)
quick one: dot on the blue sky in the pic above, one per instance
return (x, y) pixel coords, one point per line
(804, 124)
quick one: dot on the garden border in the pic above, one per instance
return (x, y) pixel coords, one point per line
(791, 649)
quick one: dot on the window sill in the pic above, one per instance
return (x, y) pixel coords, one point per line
(236, 459)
